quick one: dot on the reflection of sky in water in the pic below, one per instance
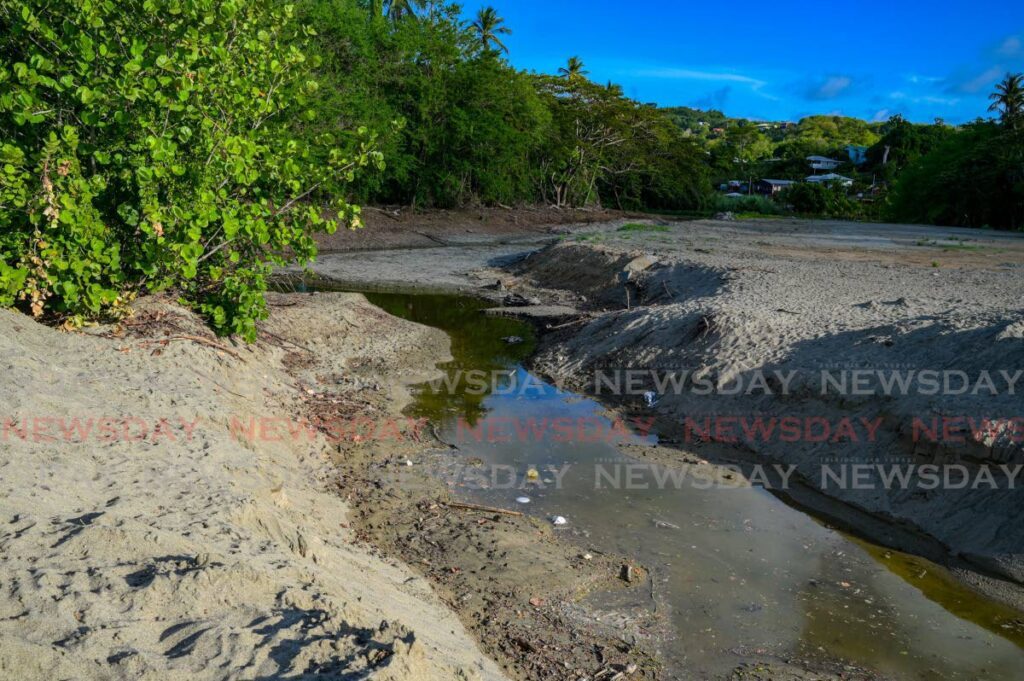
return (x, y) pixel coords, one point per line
(740, 572)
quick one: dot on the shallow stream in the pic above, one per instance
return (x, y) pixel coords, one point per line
(738, 573)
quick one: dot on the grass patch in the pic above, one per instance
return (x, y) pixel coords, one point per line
(637, 227)
(753, 215)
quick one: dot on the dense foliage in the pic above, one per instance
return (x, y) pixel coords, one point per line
(969, 175)
(975, 178)
(154, 144)
(192, 145)
(474, 130)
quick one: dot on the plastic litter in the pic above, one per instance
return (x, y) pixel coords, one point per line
(558, 520)
(650, 398)
(522, 500)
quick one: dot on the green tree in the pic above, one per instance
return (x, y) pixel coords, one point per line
(1008, 100)
(902, 143)
(399, 9)
(974, 178)
(821, 198)
(488, 26)
(154, 145)
(476, 130)
(746, 144)
(605, 148)
(574, 69)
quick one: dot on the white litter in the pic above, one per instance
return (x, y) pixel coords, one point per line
(522, 500)
(558, 520)
(650, 398)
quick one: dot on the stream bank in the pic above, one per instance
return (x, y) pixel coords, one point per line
(664, 307)
(164, 513)
(716, 565)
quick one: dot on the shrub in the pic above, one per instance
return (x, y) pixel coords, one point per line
(827, 199)
(641, 227)
(974, 178)
(746, 204)
(151, 145)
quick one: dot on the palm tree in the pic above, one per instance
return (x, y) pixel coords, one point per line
(488, 27)
(403, 8)
(1008, 99)
(573, 69)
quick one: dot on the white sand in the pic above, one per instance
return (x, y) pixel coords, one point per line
(206, 557)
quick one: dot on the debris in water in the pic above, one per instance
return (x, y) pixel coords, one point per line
(558, 520)
(532, 474)
(522, 500)
(650, 398)
(517, 300)
(512, 340)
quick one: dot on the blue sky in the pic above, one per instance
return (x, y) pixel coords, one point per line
(781, 60)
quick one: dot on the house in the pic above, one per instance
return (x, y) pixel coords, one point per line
(858, 155)
(830, 178)
(772, 187)
(823, 163)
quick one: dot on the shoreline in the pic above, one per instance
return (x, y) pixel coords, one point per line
(860, 521)
(260, 530)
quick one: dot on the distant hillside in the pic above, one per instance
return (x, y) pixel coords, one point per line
(819, 131)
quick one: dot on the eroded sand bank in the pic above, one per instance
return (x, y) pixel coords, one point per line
(160, 521)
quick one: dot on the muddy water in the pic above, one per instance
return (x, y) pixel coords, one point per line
(736, 573)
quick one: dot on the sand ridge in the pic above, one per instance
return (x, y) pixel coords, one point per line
(212, 552)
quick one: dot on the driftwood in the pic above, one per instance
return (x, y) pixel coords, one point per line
(572, 323)
(486, 509)
(394, 215)
(194, 339)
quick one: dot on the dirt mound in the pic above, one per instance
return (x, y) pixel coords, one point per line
(400, 227)
(616, 279)
(727, 318)
(163, 515)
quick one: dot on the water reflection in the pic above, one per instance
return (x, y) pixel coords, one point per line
(481, 350)
(741, 574)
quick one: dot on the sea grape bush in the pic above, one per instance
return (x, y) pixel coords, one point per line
(149, 145)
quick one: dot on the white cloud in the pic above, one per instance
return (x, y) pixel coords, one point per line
(1010, 47)
(901, 96)
(972, 84)
(692, 74)
(830, 88)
